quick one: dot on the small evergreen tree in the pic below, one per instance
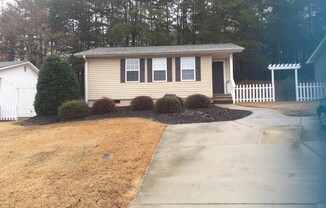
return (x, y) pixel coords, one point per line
(56, 84)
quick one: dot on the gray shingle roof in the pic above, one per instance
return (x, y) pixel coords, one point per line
(160, 50)
(4, 64)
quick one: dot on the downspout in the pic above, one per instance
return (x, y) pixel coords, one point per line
(232, 78)
(86, 79)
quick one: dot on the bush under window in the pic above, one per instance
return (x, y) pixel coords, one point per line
(73, 109)
(103, 105)
(167, 105)
(177, 97)
(142, 103)
(197, 101)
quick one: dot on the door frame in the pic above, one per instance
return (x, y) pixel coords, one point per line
(224, 77)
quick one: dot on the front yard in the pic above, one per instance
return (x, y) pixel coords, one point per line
(65, 164)
(62, 165)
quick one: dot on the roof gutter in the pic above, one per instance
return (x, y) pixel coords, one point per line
(160, 53)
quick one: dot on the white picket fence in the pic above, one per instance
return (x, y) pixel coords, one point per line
(254, 93)
(8, 112)
(311, 91)
(8, 106)
(16, 100)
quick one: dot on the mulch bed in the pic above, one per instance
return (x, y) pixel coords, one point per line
(211, 114)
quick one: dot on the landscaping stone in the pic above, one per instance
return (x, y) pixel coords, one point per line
(205, 115)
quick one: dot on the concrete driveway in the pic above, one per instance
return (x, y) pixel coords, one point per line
(264, 160)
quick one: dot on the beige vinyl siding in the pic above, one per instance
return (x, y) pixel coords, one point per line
(104, 80)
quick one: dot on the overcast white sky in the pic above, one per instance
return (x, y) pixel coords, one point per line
(5, 2)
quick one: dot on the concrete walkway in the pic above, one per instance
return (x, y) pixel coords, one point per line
(264, 160)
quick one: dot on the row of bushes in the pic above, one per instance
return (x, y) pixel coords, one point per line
(169, 103)
(75, 109)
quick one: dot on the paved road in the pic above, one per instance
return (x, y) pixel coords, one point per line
(264, 160)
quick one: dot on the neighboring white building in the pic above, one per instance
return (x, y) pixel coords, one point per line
(318, 58)
(17, 89)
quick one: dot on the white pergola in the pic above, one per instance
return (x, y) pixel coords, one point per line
(294, 67)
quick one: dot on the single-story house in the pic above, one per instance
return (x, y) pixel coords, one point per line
(122, 73)
(17, 89)
(318, 58)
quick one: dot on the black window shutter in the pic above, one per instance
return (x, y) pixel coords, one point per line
(169, 69)
(177, 69)
(142, 70)
(122, 70)
(149, 70)
(198, 69)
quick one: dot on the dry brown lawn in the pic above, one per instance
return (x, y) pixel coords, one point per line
(61, 165)
(288, 108)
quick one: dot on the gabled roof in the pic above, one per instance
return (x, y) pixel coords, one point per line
(10, 64)
(161, 50)
(321, 47)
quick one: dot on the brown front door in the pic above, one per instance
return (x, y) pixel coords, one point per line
(218, 78)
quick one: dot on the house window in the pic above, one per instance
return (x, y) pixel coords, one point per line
(132, 70)
(159, 69)
(188, 69)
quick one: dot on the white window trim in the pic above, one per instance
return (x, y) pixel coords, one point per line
(166, 70)
(126, 71)
(181, 70)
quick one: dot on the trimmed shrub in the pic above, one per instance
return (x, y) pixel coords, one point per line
(142, 103)
(73, 109)
(167, 105)
(56, 84)
(103, 105)
(197, 101)
(177, 97)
